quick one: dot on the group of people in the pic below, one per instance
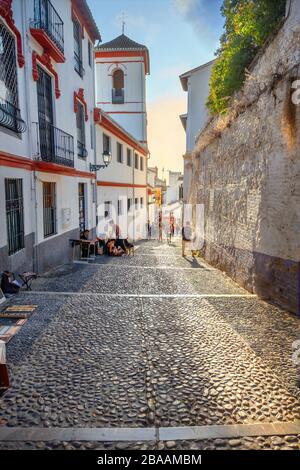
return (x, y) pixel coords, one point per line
(109, 246)
(167, 226)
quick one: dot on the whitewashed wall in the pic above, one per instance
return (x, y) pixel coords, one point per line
(135, 93)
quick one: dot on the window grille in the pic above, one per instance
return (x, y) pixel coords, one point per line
(14, 214)
(78, 48)
(49, 209)
(90, 54)
(81, 150)
(10, 116)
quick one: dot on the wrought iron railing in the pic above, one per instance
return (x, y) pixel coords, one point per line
(56, 146)
(118, 95)
(47, 18)
(10, 117)
(81, 150)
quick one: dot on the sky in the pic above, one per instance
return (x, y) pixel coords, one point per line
(180, 35)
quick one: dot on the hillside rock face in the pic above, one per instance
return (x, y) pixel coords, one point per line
(246, 172)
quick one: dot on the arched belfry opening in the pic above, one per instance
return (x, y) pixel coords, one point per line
(118, 87)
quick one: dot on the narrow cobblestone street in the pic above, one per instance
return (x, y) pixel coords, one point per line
(153, 340)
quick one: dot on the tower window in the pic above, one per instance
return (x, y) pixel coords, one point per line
(118, 87)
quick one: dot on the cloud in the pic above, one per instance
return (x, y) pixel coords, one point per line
(202, 15)
(166, 136)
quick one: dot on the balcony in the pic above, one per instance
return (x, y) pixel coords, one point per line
(56, 146)
(10, 117)
(81, 150)
(118, 96)
(48, 29)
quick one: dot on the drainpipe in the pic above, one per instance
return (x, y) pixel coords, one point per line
(29, 130)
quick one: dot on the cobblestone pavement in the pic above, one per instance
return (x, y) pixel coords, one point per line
(97, 360)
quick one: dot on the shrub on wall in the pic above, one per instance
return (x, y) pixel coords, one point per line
(248, 24)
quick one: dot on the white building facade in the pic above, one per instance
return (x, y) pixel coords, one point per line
(47, 132)
(196, 83)
(122, 186)
(121, 69)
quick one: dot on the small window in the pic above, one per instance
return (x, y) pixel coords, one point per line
(136, 202)
(14, 214)
(128, 204)
(106, 143)
(80, 121)
(129, 157)
(142, 163)
(142, 202)
(119, 153)
(90, 54)
(120, 207)
(49, 209)
(136, 161)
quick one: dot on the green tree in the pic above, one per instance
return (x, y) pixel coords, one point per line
(248, 24)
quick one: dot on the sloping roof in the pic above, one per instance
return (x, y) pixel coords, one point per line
(84, 10)
(184, 77)
(103, 119)
(122, 42)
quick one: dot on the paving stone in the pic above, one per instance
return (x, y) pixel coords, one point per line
(102, 361)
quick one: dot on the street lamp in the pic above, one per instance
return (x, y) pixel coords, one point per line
(106, 156)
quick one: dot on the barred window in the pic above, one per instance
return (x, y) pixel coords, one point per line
(78, 48)
(9, 102)
(80, 122)
(14, 214)
(49, 209)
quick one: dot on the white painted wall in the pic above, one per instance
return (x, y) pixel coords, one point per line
(197, 116)
(134, 224)
(26, 144)
(132, 114)
(119, 172)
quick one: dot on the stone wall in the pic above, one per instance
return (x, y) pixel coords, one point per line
(246, 172)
